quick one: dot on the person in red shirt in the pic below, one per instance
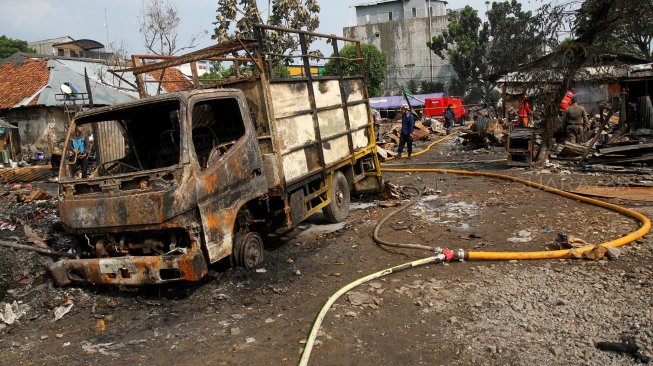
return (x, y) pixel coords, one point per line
(523, 112)
(566, 101)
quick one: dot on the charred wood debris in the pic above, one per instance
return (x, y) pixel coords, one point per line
(607, 142)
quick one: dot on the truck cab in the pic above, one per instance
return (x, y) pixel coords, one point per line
(166, 174)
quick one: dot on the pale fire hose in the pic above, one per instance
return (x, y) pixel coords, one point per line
(448, 254)
(320, 317)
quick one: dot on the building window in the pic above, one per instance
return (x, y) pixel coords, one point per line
(390, 16)
(60, 52)
(414, 12)
(430, 11)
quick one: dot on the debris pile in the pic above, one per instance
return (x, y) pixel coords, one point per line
(486, 132)
(610, 144)
(390, 130)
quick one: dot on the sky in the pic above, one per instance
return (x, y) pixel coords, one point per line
(33, 20)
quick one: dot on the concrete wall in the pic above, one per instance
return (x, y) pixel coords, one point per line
(404, 44)
(380, 13)
(39, 128)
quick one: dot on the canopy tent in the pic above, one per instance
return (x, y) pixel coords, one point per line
(395, 102)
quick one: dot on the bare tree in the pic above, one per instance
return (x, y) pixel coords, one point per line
(119, 51)
(159, 21)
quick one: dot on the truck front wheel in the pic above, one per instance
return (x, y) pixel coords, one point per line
(338, 208)
(248, 250)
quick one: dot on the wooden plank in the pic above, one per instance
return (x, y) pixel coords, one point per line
(646, 158)
(618, 149)
(626, 193)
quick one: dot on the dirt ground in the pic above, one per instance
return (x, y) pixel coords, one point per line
(549, 312)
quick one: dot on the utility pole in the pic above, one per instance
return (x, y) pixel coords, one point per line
(430, 39)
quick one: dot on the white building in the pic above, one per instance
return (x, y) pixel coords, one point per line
(400, 29)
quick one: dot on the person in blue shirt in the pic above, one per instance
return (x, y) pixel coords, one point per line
(80, 147)
(406, 135)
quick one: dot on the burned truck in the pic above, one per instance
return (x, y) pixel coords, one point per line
(179, 181)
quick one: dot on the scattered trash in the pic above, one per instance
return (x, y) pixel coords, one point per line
(250, 339)
(107, 349)
(9, 313)
(6, 226)
(522, 236)
(33, 237)
(62, 310)
(36, 195)
(565, 241)
(261, 270)
(234, 331)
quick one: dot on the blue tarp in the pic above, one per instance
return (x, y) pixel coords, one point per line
(398, 101)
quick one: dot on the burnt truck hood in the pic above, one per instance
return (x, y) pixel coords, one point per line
(121, 209)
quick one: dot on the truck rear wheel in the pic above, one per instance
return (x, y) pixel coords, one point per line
(338, 208)
(248, 250)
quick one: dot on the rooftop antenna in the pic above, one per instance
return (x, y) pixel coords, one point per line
(106, 24)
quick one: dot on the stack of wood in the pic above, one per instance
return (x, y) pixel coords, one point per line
(630, 148)
(624, 154)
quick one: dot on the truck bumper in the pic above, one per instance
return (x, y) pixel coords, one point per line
(131, 270)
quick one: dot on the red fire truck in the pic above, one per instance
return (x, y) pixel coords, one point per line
(435, 107)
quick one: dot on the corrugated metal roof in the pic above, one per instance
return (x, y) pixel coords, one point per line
(5, 124)
(60, 73)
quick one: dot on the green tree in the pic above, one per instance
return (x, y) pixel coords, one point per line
(412, 86)
(480, 52)
(236, 19)
(634, 34)
(375, 63)
(465, 42)
(217, 71)
(9, 46)
(427, 86)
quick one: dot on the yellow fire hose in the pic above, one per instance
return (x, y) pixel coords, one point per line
(476, 255)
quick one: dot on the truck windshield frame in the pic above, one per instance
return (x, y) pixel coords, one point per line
(124, 141)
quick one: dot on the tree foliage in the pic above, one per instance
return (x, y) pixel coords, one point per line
(427, 87)
(9, 46)
(465, 43)
(480, 52)
(159, 21)
(632, 35)
(374, 61)
(412, 86)
(236, 19)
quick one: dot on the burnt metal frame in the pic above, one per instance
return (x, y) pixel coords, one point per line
(260, 60)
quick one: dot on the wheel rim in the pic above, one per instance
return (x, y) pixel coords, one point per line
(252, 250)
(340, 195)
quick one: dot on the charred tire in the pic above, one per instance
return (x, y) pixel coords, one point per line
(248, 250)
(338, 208)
